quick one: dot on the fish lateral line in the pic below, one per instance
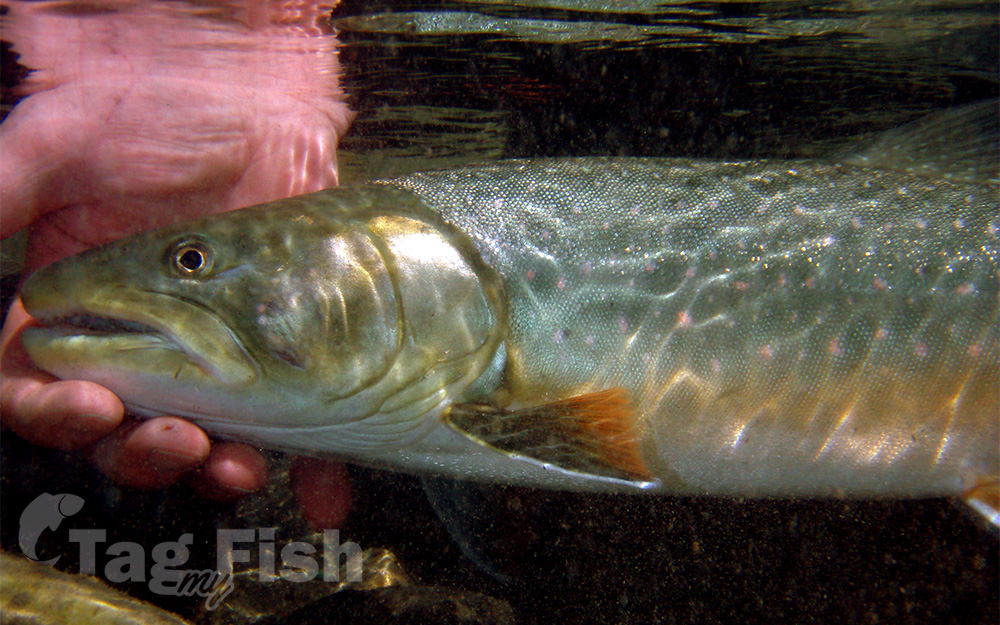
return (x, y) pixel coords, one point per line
(593, 433)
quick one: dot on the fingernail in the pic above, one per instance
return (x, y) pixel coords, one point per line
(169, 460)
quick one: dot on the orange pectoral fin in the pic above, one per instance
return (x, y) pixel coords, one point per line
(593, 433)
(984, 498)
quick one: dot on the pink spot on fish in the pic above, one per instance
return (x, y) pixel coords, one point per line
(684, 318)
(589, 339)
(623, 325)
(881, 334)
(766, 351)
(880, 284)
(921, 350)
(834, 347)
(974, 350)
(561, 284)
(530, 274)
(559, 336)
(965, 288)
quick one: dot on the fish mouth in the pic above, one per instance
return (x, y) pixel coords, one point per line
(150, 332)
(87, 324)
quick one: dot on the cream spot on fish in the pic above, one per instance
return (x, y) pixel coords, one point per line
(921, 350)
(921, 224)
(606, 226)
(575, 210)
(586, 268)
(741, 285)
(589, 339)
(713, 204)
(561, 284)
(546, 235)
(623, 325)
(959, 224)
(856, 223)
(716, 365)
(881, 334)
(799, 209)
(559, 336)
(690, 273)
(974, 350)
(993, 229)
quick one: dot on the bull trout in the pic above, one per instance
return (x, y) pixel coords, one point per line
(757, 328)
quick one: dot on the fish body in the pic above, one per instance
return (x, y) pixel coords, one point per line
(778, 328)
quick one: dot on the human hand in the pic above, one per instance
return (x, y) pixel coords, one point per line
(139, 116)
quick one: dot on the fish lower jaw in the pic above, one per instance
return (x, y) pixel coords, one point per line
(61, 348)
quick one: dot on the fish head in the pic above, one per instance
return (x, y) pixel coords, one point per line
(283, 314)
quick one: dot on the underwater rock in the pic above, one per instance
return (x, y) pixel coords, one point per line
(40, 595)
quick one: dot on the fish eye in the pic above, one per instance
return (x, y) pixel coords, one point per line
(191, 259)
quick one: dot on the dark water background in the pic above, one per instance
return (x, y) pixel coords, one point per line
(439, 84)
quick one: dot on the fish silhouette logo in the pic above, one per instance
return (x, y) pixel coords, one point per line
(45, 512)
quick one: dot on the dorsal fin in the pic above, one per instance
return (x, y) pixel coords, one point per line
(960, 144)
(593, 433)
